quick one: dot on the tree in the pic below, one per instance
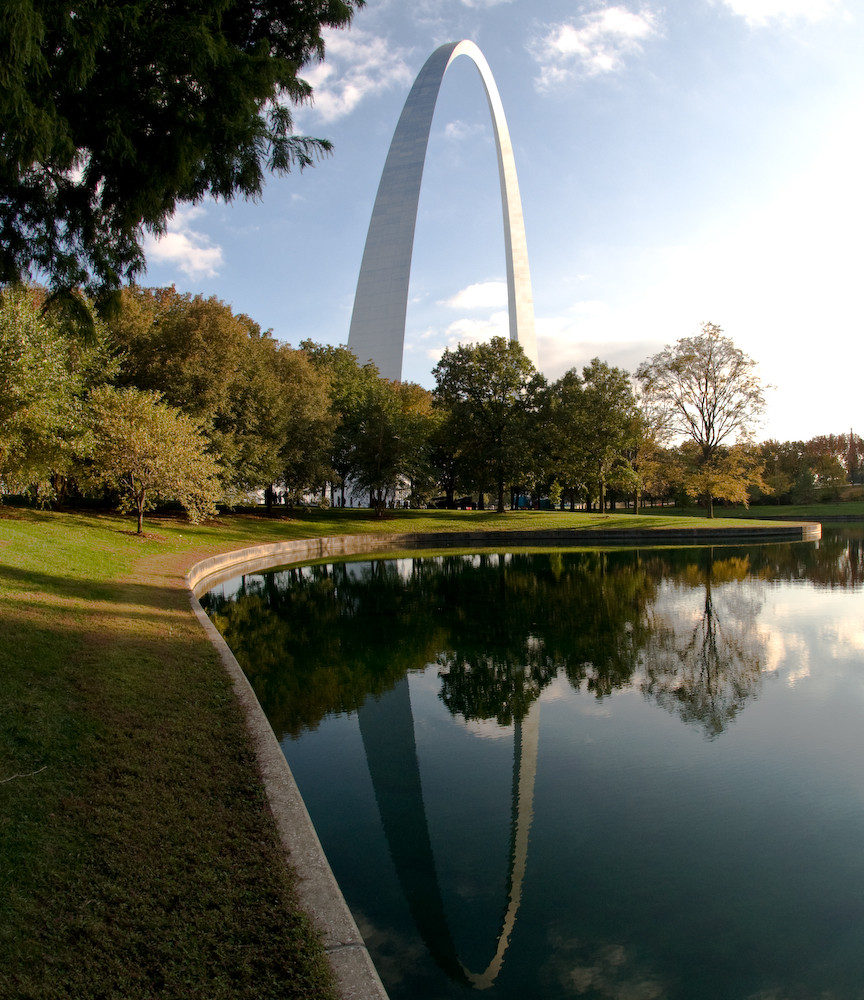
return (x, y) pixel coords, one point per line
(450, 465)
(564, 424)
(148, 450)
(43, 378)
(419, 420)
(187, 347)
(377, 449)
(787, 471)
(827, 457)
(730, 474)
(113, 113)
(854, 454)
(353, 390)
(276, 425)
(391, 429)
(493, 393)
(609, 426)
(707, 389)
(302, 424)
(263, 406)
(594, 428)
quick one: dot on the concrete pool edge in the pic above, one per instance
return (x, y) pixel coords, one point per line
(210, 571)
(318, 890)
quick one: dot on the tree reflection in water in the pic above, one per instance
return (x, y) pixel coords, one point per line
(707, 668)
(318, 640)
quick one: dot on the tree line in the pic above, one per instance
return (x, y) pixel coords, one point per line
(175, 397)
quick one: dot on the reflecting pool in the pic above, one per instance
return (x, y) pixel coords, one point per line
(625, 773)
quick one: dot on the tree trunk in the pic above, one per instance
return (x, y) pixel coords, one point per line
(501, 495)
(709, 503)
(59, 484)
(138, 494)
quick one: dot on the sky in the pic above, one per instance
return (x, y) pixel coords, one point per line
(679, 163)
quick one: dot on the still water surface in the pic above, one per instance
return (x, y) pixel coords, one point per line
(624, 774)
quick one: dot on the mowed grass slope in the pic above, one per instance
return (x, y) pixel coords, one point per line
(137, 854)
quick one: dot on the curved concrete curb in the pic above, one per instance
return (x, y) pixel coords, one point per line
(319, 892)
(208, 572)
(320, 896)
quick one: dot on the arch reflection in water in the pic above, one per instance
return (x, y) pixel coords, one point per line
(696, 815)
(387, 727)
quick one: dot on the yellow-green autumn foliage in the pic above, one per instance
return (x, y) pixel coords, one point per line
(149, 451)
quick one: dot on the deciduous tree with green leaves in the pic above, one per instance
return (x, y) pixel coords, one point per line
(594, 425)
(111, 114)
(377, 451)
(302, 422)
(493, 393)
(149, 451)
(609, 427)
(263, 406)
(827, 455)
(419, 420)
(43, 378)
(354, 390)
(787, 472)
(563, 420)
(187, 347)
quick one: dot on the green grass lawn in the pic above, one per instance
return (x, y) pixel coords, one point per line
(849, 510)
(137, 855)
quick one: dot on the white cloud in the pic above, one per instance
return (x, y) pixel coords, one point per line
(590, 330)
(594, 44)
(356, 66)
(759, 13)
(476, 331)
(587, 330)
(463, 331)
(483, 295)
(485, 729)
(184, 247)
(784, 650)
(843, 636)
(459, 131)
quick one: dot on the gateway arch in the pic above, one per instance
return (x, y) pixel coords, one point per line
(377, 331)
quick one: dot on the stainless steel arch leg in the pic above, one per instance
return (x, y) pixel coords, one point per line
(377, 330)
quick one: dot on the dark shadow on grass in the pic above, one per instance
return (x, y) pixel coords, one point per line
(145, 859)
(22, 580)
